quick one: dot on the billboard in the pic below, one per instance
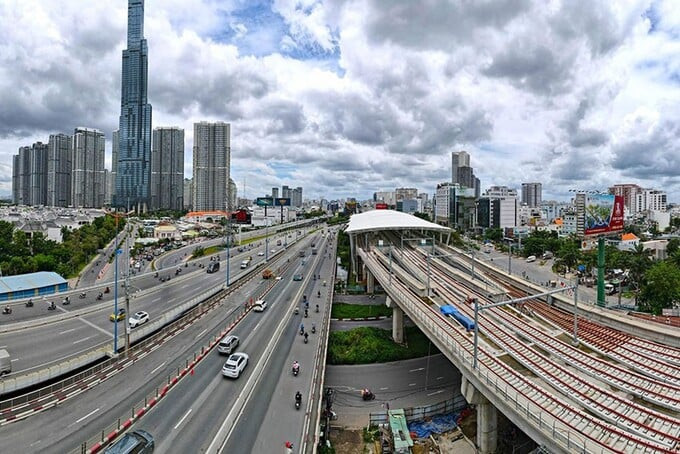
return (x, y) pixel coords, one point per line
(603, 214)
(282, 202)
(264, 202)
(380, 206)
(241, 217)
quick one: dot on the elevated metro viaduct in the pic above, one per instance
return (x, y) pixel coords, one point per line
(362, 230)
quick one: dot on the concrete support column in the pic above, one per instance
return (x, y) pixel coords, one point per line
(397, 324)
(370, 282)
(487, 418)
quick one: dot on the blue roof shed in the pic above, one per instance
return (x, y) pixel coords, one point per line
(31, 284)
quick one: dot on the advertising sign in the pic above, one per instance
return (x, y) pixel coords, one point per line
(380, 206)
(264, 202)
(282, 202)
(241, 217)
(603, 214)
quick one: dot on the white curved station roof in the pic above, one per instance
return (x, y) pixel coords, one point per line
(389, 220)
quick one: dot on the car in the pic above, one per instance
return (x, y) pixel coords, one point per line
(137, 441)
(139, 318)
(297, 277)
(235, 365)
(260, 253)
(121, 315)
(260, 306)
(272, 251)
(228, 344)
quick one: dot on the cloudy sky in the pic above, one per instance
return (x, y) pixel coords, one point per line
(346, 98)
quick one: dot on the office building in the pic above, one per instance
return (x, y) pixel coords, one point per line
(458, 159)
(406, 193)
(88, 180)
(115, 144)
(167, 169)
(628, 192)
(462, 173)
(133, 173)
(59, 168)
(211, 156)
(532, 194)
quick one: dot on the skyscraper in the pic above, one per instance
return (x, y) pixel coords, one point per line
(88, 179)
(532, 194)
(458, 159)
(212, 155)
(59, 168)
(167, 169)
(275, 193)
(296, 197)
(133, 174)
(38, 174)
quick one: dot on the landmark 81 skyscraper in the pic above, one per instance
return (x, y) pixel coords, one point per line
(133, 176)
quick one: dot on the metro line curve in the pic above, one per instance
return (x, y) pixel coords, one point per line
(578, 423)
(608, 405)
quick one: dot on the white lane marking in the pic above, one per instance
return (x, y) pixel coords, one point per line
(108, 333)
(15, 359)
(87, 415)
(201, 333)
(436, 392)
(183, 418)
(383, 389)
(411, 384)
(67, 331)
(185, 285)
(156, 299)
(83, 339)
(417, 370)
(156, 369)
(440, 378)
(35, 443)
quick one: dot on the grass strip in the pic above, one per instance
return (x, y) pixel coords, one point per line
(367, 345)
(343, 310)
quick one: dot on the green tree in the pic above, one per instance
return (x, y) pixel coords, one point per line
(661, 287)
(569, 254)
(494, 234)
(672, 246)
(422, 215)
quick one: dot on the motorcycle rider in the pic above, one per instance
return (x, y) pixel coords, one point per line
(318, 294)
(298, 399)
(296, 366)
(313, 328)
(317, 308)
(302, 328)
(306, 336)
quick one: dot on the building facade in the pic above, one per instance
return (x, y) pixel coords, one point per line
(88, 179)
(133, 172)
(38, 174)
(188, 193)
(628, 192)
(532, 194)
(458, 159)
(296, 197)
(233, 195)
(59, 170)
(167, 169)
(211, 156)
(275, 193)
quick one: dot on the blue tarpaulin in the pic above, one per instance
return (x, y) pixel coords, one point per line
(437, 425)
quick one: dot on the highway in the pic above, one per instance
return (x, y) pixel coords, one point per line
(198, 398)
(61, 339)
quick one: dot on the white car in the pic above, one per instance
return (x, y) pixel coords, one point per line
(139, 318)
(260, 253)
(235, 365)
(260, 306)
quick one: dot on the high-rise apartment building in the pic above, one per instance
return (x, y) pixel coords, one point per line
(59, 168)
(16, 178)
(286, 192)
(532, 194)
(275, 193)
(38, 176)
(115, 145)
(212, 155)
(188, 191)
(133, 173)
(233, 195)
(167, 169)
(296, 196)
(629, 193)
(650, 200)
(24, 190)
(88, 178)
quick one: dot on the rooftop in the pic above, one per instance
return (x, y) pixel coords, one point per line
(389, 220)
(30, 281)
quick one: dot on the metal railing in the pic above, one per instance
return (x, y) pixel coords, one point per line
(454, 404)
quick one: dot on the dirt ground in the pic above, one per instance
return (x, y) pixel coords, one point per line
(350, 441)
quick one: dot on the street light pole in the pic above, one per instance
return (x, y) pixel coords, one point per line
(228, 245)
(127, 290)
(115, 293)
(510, 258)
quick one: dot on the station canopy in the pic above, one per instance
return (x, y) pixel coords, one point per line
(375, 220)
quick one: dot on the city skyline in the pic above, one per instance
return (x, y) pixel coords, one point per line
(343, 102)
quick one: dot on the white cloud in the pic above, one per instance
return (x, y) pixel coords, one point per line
(367, 94)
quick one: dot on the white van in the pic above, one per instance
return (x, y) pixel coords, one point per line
(531, 258)
(5, 362)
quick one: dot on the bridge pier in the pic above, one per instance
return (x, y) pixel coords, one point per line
(487, 418)
(370, 282)
(397, 324)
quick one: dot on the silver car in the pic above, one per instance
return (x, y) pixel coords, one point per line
(228, 345)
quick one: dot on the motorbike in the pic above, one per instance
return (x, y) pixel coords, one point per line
(306, 313)
(66, 301)
(51, 306)
(317, 308)
(306, 336)
(298, 400)
(297, 310)
(29, 303)
(107, 290)
(313, 329)
(367, 394)
(302, 329)
(318, 294)
(82, 295)
(100, 296)
(6, 310)
(296, 370)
